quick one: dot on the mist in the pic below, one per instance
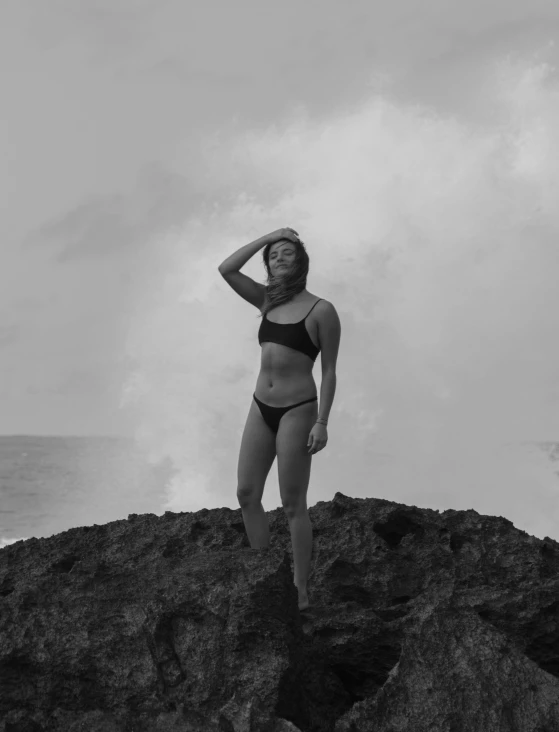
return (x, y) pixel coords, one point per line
(435, 237)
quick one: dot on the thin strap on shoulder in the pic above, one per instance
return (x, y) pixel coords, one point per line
(316, 303)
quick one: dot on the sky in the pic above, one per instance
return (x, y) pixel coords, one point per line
(415, 150)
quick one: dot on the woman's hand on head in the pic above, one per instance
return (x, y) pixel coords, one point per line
(286, 233)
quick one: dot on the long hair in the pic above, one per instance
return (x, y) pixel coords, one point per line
(282, 289)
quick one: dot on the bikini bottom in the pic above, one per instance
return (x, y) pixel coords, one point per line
(273, 415)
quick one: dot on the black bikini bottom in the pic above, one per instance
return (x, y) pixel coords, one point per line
(273, 415)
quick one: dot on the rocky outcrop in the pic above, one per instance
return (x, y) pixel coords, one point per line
(420, 621)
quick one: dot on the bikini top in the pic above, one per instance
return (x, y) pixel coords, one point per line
(293, 335)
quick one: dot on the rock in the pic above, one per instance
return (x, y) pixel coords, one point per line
(420, 620)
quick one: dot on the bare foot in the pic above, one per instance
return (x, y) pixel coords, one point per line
(303, 599)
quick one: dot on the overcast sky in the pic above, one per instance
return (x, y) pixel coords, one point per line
(414, 147)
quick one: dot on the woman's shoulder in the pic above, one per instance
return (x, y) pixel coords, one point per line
(319, 301)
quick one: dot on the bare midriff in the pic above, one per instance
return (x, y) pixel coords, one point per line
(286, 374)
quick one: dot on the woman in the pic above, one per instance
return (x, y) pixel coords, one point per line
(284, 418)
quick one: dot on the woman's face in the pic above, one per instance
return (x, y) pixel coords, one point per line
(282, 257)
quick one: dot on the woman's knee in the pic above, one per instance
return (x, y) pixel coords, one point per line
(249, 495)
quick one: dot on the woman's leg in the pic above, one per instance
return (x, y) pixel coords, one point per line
(294, 470)
(256, 456)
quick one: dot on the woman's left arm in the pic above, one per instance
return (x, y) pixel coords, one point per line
(329, 334)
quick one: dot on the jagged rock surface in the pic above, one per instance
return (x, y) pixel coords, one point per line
(421, 621)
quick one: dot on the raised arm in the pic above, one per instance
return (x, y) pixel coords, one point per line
(239, 258)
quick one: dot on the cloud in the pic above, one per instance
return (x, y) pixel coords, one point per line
(108, 30)
(107, 225)
(9, 334)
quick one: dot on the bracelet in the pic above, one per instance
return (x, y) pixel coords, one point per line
(321, 420)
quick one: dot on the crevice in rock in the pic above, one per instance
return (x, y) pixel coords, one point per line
(7, 586)
(396, 526)
(543, 631)
(64, 565)
(168, 663)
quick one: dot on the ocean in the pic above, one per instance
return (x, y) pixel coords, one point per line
(52, 484)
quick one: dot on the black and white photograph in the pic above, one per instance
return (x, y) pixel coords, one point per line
(279, 366)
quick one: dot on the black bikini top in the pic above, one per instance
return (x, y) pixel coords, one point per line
(293, 335)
